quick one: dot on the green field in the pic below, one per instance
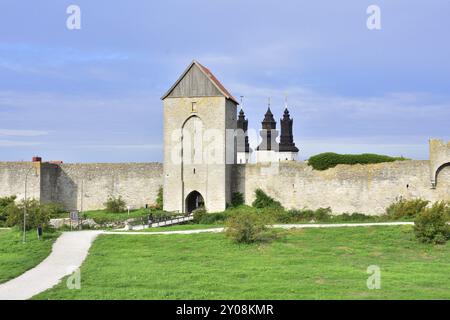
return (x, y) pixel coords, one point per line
(304, 264)
(17, 257)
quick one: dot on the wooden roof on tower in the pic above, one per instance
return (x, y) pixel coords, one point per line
(198, 81)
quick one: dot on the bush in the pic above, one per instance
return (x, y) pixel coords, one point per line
(322, 214)
(431, 224)
(304, 215)
(406, 208)
(4, 202)
(237, 199)
(38, 215)
(54, 210)
(246, 227)
(328, 160)
(354, 217)
(198, 215)
(264, 201)
(115, 205)
(160, 199)
(214, 218)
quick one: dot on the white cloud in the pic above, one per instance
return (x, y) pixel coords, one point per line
(9, 143)
(314, 104)
(22, 133)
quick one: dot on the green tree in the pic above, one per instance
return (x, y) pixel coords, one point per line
(37, 215)
(4, 202)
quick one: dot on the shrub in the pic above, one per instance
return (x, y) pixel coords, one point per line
(431, 224)
(198, 215)
(54, 210)
(159, 214)
(237, 199)
(4, 202)
(115, 205)
(406, 208)
(264, 201)
(322, 214)
(300, 215)
(246, 227)
(214, 218)
(38, 215)
(304, 215)
(160, 199)
(354, 217)
(328, 160)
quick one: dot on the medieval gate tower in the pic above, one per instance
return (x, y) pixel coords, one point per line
(199, 113)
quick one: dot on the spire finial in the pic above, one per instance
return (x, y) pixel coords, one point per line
(285, 100)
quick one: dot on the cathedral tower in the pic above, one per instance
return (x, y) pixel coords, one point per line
(267, 150)
(243, 147)
(287, 149)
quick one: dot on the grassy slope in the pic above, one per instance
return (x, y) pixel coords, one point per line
(16, 257)
(102, 214)
(306, 264)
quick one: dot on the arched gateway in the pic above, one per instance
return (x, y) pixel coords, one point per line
(194, 200)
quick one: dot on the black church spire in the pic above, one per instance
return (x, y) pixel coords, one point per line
(268, 132)
(287, 139)
(242, 124)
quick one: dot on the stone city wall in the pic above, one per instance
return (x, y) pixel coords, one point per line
(367, 189)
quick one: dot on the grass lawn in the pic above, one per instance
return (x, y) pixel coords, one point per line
(16, 257)
(102, 215)
(305, 264)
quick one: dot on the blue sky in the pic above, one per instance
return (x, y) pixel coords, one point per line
(93, 95)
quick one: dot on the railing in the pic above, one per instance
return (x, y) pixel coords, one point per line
(169, 221)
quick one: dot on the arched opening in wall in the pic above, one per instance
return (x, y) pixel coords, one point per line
(443, 178)
(194, 201)
(192, 141)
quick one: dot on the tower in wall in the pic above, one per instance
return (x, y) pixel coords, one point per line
(199, 142)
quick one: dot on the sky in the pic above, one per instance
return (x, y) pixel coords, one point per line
(93, 94)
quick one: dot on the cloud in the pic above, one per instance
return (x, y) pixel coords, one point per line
(23, 133)
(9, 143)
(317, 105)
